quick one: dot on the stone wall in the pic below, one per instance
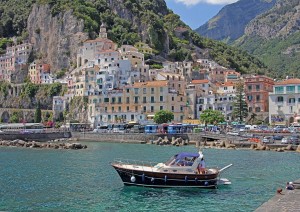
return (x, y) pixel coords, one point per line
(35, 136)
(132, 137)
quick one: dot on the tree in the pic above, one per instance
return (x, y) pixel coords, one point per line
(211, 117)
(163, 116)
(240, 107)
(38, 114)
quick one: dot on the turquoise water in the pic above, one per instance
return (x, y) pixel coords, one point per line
(83, 180)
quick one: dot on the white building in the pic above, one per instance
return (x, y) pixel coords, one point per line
(284, 102)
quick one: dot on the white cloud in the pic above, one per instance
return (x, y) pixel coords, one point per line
(194, 2)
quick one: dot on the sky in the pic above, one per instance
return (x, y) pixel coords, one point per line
(197, 12)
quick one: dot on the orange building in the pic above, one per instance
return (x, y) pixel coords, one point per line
(257, 89)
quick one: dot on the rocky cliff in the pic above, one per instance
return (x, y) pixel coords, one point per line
(274, 36)
(281, 21)
(55, 38)
(229, 24)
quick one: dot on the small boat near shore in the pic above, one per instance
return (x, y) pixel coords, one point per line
(181, 170)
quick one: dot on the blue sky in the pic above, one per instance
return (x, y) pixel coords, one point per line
(197, 12)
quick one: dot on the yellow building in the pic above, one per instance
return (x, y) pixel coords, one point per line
(138, 102)
(143, 48)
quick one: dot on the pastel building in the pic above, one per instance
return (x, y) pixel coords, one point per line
(39, 73)
(143, 48)
(15, 57)
(257, 89)
(284, 102)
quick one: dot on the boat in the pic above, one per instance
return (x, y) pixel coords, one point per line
(181, 170)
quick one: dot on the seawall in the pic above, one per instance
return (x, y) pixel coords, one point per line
(132, 137)
(44, 136)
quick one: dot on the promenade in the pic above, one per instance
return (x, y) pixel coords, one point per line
(289, 201)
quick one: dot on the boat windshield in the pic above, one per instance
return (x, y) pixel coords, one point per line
(182, 159)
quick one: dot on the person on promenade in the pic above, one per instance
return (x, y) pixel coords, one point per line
(290, 186)
(279, 191)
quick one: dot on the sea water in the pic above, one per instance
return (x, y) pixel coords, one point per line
(83, 180)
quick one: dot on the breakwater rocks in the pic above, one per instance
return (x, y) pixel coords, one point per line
(254, 146)
(49, 145)
(174, 141)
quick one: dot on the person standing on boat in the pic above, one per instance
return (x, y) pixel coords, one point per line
(201, 167)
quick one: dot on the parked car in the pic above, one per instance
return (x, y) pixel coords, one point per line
(279, 129)
(278, 137)
(268, 140)
(284, 140)
(233, 133)
(294, 139)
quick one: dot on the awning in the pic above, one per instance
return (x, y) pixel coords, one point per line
(150, 115)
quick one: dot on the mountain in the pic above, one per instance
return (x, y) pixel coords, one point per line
(229, 24)
(58, 27)
(274, 37)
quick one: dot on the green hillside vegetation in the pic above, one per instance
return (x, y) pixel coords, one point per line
(150, 15)
(275, 53)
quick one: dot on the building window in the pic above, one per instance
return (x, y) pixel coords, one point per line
(161, 107)
(161, 98)
(106, 100)
(249, 87)
(127, 90)
(292, 100)
(257, 97)
(152, 90)
(257, 109)
(279, 90)
(225, 88)
(136, 91)
(120, 109)
(119, 100)
(132, 117)
(113, 100)
(257, 87)
(136, 99)
(112, 109)
(127, 100)
(172, 108)
(144, 99)
(280, 99)
(144, 90)
(152, 109)
(145, 109)
(172, 98)
(105, 109)
(136, 109)
(250, 109)
(181, 108)
(161, 89)
(127, 108)
(152, 99)
(290, 89)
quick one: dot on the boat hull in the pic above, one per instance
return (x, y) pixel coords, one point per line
(166, 180)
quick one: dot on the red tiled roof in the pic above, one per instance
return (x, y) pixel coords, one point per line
(288, 82)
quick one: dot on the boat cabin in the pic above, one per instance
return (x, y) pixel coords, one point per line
(182, 159)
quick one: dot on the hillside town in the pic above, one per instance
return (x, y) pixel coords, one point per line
(120, 87)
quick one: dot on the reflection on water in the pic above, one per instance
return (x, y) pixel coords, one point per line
(84, 180)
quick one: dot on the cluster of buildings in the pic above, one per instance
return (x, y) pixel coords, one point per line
(120, 87)
(15, 67)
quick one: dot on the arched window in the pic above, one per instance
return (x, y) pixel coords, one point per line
(292, 100)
